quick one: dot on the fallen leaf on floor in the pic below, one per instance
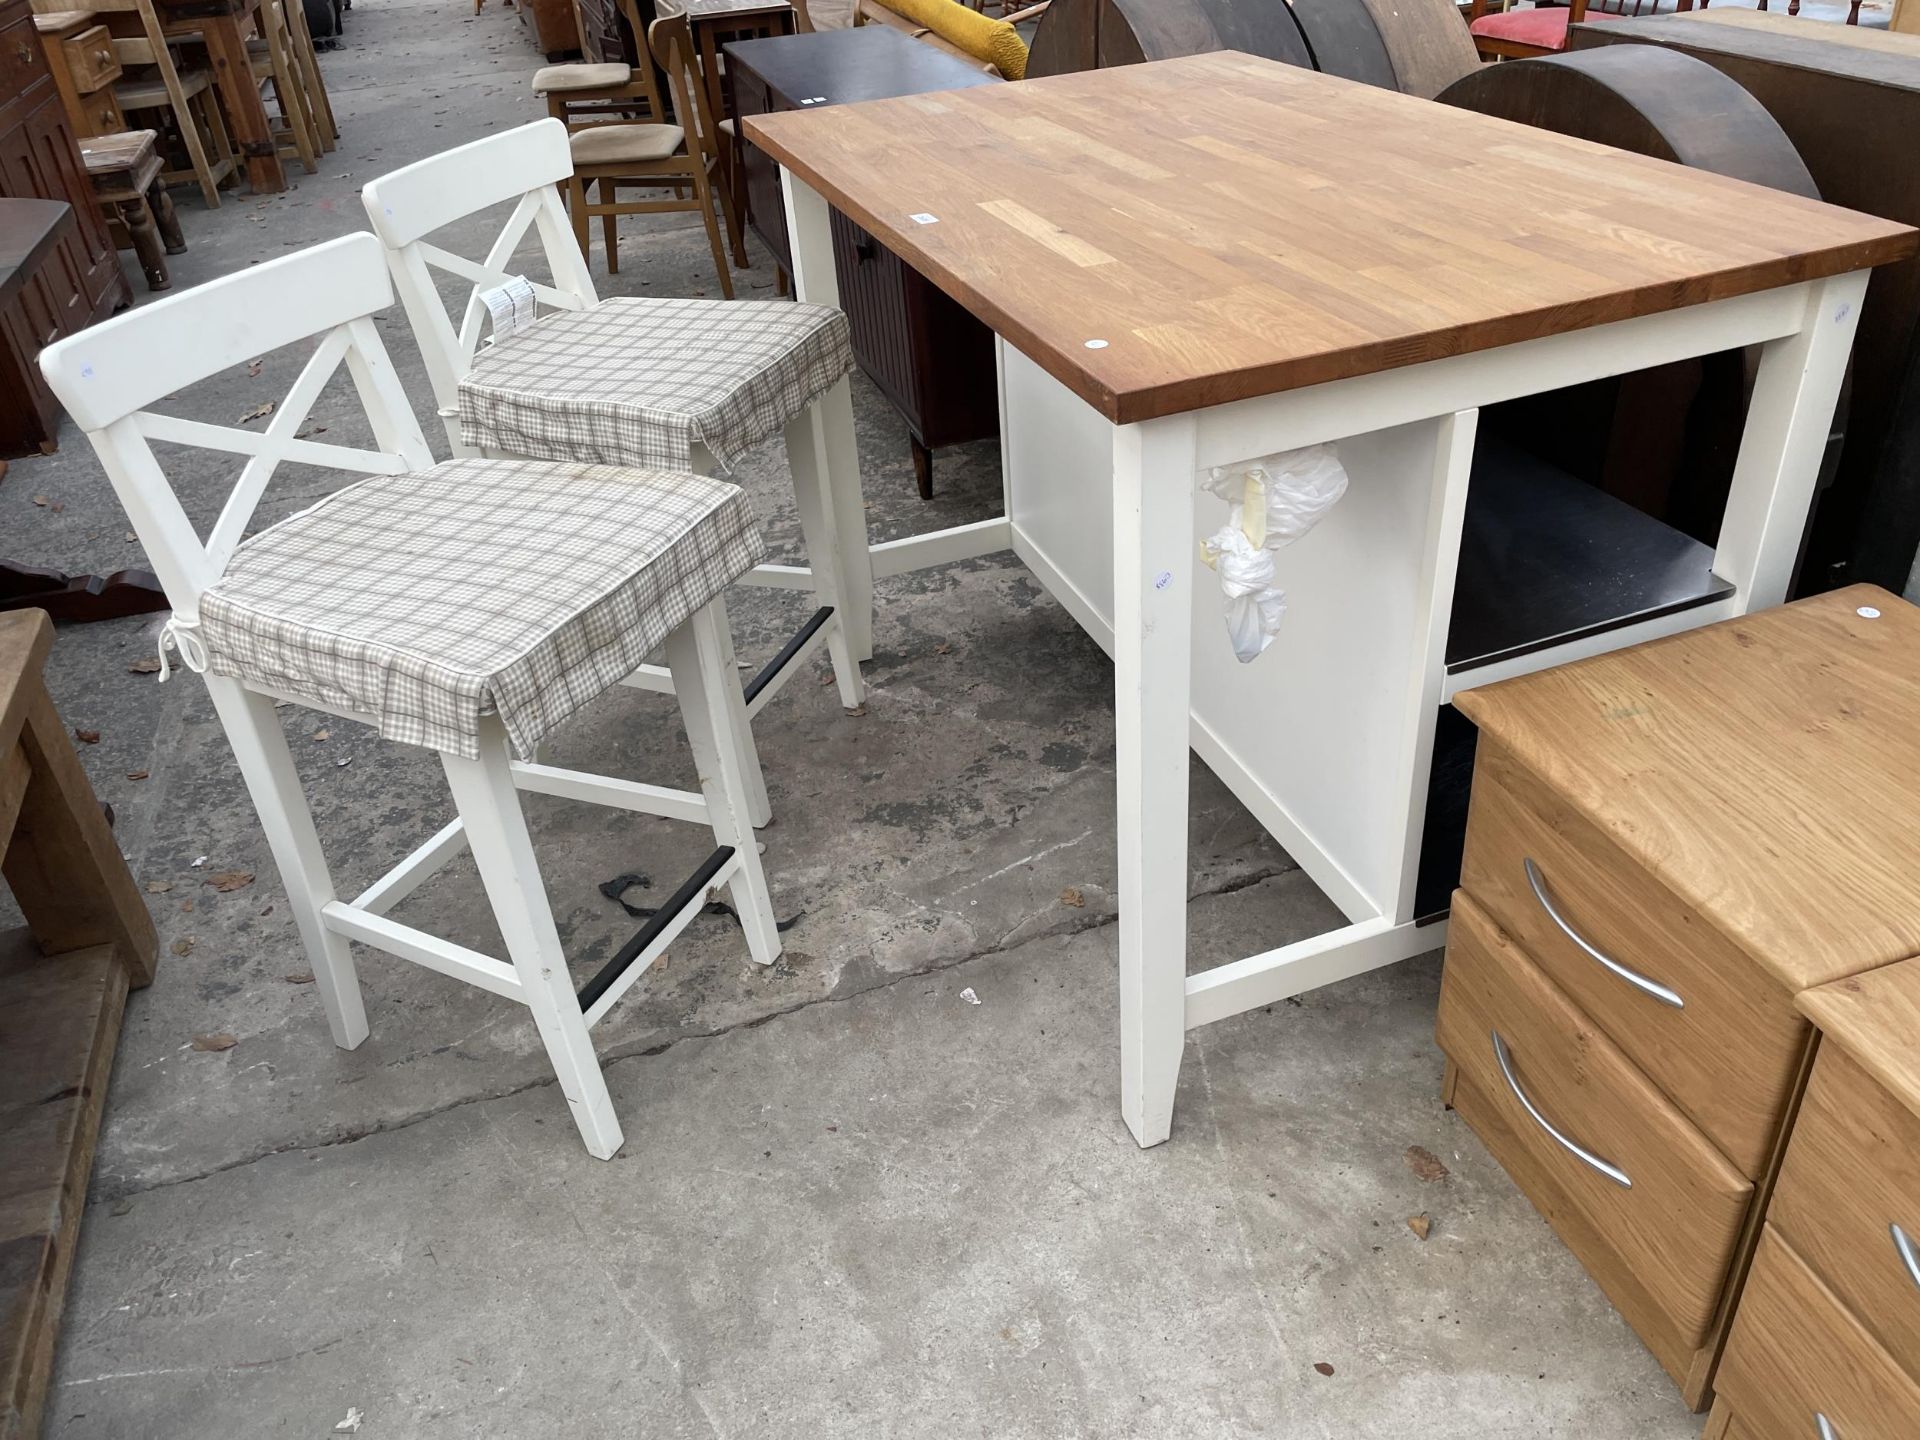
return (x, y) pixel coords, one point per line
(267, 911)
(186, 907)
(1424, 1163)
(201, 861)
(826, 680)
(87, 737)
(968, 996)
(320, 736)
(1323, 1367)
(146, 664)
(1072, 896)
(227, 881)
(57, 506)
(138, 774)
(122, 1207)
(344, 760)
(159, 887)
(40, 500)
(258, 412)
(182, 946)
(1420, 1225)
(661, 963)
(856, 711)
(222, 1041)
(351, 1425)
(299, 977)
(253, 366)
(943, 648)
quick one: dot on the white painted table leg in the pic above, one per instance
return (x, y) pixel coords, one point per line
(1788, 422)
(1154, 559)
(810, 239)
(260, 745)
(489, 805)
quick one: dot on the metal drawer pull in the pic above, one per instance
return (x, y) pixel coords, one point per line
(1825, 1427)
(1632, 977)
(1612, 1172)
(1907, 1256)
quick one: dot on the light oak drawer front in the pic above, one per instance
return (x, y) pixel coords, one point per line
(1727, 1054)
(90, 59)
(1849, 1199)
(1797, 1358)
(1669, 1203)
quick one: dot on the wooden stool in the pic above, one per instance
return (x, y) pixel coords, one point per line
(63, 983)
(125, 171)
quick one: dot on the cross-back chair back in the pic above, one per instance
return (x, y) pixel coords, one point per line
(524, 166)
(110, 374)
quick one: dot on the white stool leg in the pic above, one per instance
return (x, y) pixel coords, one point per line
(699, 679)
(813, 456)
(759, 810)
(260, 745)
(489, 804)
(844, 495)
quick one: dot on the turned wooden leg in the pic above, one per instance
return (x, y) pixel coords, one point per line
(146, 242)
(922, 468)
(164, 218)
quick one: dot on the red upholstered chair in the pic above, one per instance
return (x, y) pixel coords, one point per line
(1542, 29)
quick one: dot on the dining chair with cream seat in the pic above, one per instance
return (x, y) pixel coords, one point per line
(657, 382)
(468, 607)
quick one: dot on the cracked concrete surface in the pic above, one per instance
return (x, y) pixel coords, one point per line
(850, 1203)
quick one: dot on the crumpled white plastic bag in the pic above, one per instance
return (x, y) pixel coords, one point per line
(1271, 502)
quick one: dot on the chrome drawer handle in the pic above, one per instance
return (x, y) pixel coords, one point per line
(1825, 1427)
(1632, 977)
(1904, 1247)
(1612, 1172)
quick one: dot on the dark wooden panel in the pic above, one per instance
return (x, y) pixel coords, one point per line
(1344, 41)
(1840, 102)
(1079, 35)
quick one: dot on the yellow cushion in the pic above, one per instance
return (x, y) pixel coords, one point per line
(992, 40)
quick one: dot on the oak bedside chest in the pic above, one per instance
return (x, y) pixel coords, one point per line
(1826, 1339)
(1666, 846)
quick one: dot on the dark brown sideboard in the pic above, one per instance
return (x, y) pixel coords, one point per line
(927, 355)
(77, 280)
(1847, 98)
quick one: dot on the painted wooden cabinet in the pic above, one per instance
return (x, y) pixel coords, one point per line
(81, 280)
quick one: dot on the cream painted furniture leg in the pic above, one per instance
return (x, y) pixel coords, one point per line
(1154, 559)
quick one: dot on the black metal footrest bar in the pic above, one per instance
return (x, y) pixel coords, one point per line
(771, 671)
(692, 893)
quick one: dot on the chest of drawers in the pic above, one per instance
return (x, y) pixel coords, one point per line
(1666, 847)
(1826, 1339)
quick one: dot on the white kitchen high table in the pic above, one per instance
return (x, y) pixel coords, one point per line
(1202, 261)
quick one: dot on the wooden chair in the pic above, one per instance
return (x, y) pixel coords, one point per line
(1519, 33)
(327, 129)
(166, 88)
(581, 95)
(680, 159)
(125, 171)
(645, 381)
(274, 61)
(532, 586)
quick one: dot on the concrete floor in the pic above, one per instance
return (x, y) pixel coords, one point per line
(850, 1203)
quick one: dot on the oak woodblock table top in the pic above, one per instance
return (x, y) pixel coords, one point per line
(1233, 227)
